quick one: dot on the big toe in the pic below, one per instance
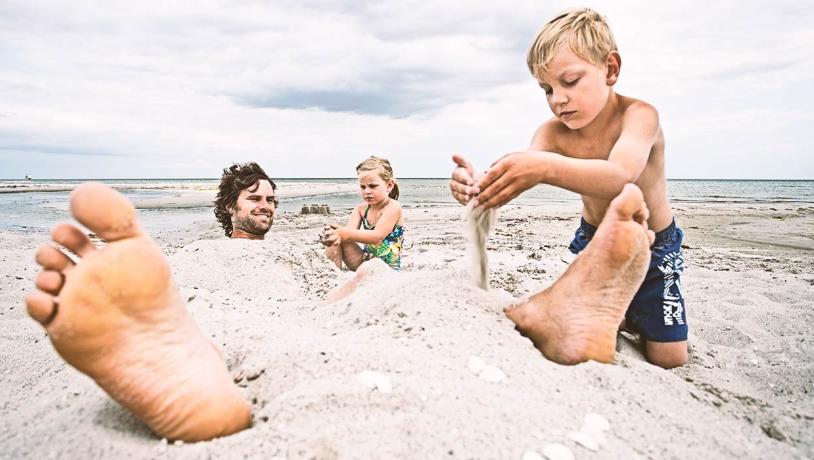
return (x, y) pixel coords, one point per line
(104, 211)
(629, 204)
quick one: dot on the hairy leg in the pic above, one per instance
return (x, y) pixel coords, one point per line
(117, 316)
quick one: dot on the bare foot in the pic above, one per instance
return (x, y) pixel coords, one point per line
(118, 317)
(576, 319)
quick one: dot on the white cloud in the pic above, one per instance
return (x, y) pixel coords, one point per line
(307, 89)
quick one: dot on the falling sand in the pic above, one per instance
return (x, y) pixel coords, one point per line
(477, 225)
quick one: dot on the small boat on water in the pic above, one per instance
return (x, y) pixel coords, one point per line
(28, 177)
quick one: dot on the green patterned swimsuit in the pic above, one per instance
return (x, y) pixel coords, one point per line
(389, 250)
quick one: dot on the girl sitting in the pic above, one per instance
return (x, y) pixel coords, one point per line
(377, 223)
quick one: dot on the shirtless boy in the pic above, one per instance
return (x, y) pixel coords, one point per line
(597, 142)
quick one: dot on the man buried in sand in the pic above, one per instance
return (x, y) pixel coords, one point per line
(246, 202)
(596, 142)
(118, 317)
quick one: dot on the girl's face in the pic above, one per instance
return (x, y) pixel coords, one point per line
(373, 188)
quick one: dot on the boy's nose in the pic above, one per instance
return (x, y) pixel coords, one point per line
(559, 98)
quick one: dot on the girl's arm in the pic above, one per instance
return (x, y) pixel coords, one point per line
(390, 216)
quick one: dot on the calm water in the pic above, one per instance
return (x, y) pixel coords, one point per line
(37, 211)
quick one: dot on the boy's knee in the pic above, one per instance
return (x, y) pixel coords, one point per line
(667, 354)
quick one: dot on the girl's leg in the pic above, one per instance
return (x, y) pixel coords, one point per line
(352, 255)
(348, 252)
(334, 254)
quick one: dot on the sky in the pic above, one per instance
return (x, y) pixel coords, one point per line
(309, 89)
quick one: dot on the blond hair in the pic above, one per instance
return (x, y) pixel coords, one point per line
(583, 30)
(381, 166)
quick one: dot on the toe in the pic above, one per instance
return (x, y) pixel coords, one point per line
(51, 258)
(41, 307)
(72, 238)
(104, 211)
(628, 203)
(50, 281)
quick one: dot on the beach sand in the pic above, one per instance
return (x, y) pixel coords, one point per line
(747, 391)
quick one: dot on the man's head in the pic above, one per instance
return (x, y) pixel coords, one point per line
(246, 201)
(575, 60)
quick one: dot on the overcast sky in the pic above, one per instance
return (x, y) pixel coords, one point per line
(308, 89)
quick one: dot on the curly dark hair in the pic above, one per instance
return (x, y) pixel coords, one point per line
(236, 178)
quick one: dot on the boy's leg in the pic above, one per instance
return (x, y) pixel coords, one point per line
(117, 317)
(666, 354)
(657, 311)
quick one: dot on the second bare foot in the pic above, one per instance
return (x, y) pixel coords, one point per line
(576, 319)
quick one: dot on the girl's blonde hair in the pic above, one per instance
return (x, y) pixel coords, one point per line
(381, 166)
(584, 31)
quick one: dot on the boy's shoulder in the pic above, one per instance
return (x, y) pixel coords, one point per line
(636, 109)
(552, 133)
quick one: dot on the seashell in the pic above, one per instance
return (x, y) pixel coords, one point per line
(375, 380)
(585, 440)
(557, 452)
(475, 365)
(492, 374)
(594, 422)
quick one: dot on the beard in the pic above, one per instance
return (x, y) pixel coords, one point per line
(249, 225)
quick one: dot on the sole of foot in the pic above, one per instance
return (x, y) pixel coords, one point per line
(117, 316)
(576, 319)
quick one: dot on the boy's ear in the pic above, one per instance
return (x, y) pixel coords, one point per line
(614, 65)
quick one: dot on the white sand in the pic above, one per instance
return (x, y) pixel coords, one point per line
(747, 391)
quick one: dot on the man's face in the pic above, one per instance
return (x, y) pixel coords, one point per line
(576, 89)
(254, 211)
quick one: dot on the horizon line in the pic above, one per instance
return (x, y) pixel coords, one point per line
(344, 178)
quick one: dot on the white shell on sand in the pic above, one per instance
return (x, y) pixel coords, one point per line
(475, 365)
(595, 423)
(531, 455)
(585, 440)
(376, 380)
(492, 374)
(557, 452)
(594, 427)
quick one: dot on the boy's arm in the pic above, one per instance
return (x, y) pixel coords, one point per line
(385, 224)
(591, 177)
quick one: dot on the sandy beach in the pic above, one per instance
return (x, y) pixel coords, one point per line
(746, 393)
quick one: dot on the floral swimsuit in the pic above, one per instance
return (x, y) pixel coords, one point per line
(389, 250)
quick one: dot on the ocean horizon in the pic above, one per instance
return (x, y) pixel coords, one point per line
(37, 204)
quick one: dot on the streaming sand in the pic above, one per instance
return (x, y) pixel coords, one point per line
(746, 393)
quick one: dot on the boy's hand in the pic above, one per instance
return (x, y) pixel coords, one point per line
(508, 177)
(462, 184)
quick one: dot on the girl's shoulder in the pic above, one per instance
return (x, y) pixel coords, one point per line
(360, 208)
(394, 204)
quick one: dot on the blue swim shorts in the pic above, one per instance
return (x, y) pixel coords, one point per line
(657, 310)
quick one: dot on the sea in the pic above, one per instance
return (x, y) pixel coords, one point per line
(37, 211)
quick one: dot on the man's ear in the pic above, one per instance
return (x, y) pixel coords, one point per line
(613, 65)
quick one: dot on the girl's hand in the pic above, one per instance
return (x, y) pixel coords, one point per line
(331, 235)
(508, 177)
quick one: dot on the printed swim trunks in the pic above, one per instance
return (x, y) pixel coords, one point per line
(657, 310)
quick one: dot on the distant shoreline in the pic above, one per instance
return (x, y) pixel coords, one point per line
(208, 179)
